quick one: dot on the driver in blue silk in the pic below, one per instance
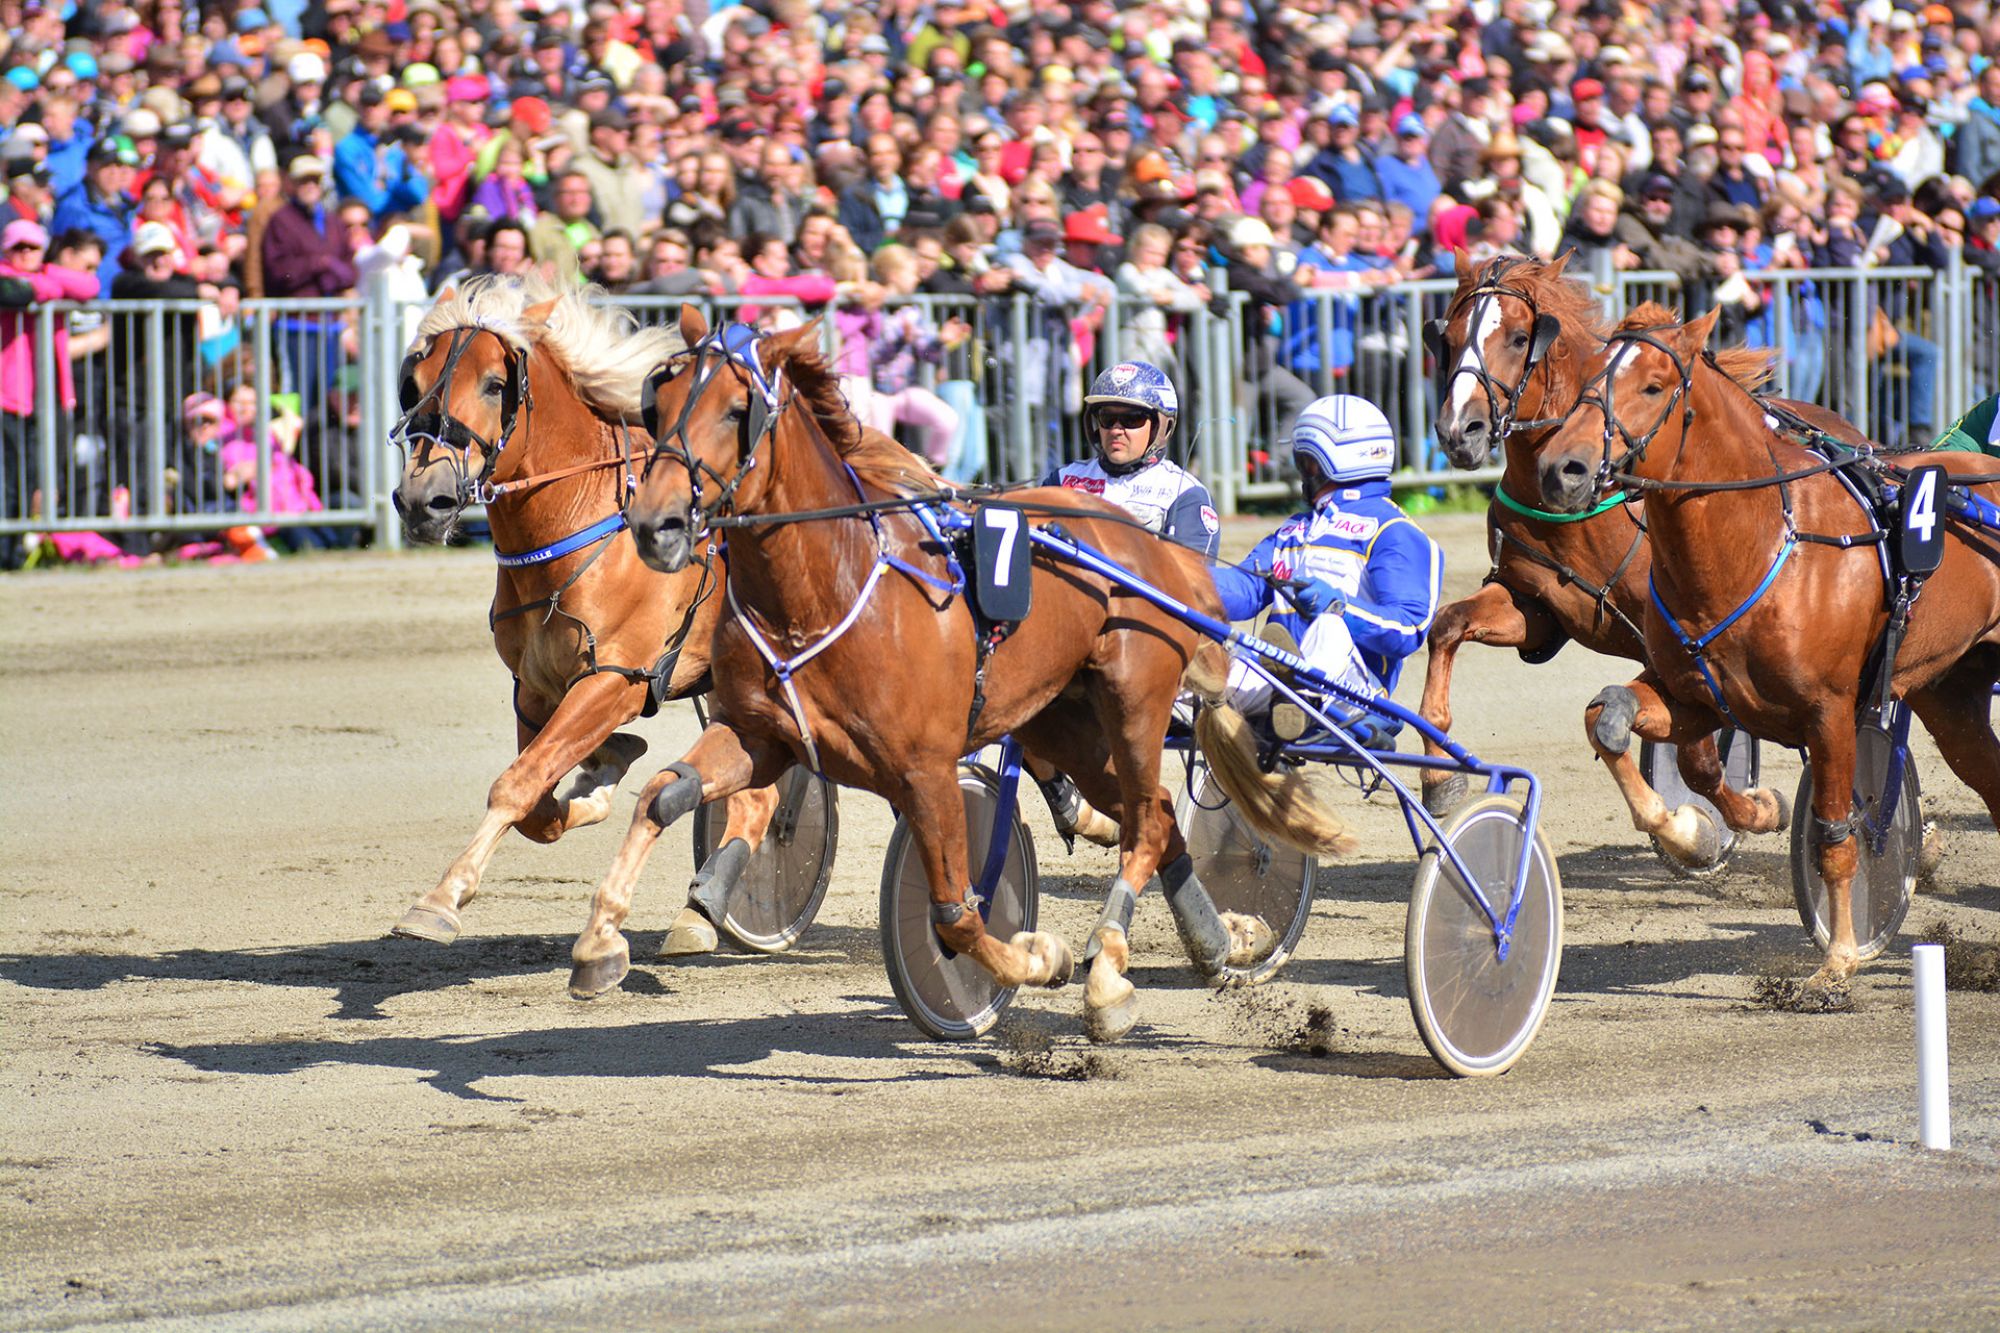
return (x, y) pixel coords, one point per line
(1367, 576)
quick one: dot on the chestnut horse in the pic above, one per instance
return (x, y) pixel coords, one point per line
(1767, 595)
(849, 648)
(1511, 352)
(520, 394)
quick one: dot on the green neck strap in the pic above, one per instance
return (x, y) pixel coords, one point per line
(1549, 516)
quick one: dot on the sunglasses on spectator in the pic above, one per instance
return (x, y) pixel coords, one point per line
(1122, 418)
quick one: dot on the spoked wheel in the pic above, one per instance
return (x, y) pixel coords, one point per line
(1244, 873)
(786, 878)
(1477, 1012)
(1659, 764)
(947, 994)
(1884, 881)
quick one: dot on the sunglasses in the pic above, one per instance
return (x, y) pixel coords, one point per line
(1115, 418)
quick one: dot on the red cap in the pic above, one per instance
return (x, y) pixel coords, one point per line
(1091, 226)
(1310, 192)
(1585, 88)
(533, 113)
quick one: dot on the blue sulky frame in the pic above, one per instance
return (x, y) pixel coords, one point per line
(1342, 747)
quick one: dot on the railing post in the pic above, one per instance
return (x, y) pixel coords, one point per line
(47, 414)
(1017, 398)
(163, 411)
(1416, 434)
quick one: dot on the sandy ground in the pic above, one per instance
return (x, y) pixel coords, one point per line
(228, 1101)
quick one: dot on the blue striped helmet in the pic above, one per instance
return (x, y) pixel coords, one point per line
(1345, 438)
(1138, 384)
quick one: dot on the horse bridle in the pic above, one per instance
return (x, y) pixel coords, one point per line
(725, 345)
(1502, 400)
(1597, 393)
(426, 422)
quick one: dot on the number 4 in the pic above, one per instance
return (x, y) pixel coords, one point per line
(1008, 522)
(1920, 510)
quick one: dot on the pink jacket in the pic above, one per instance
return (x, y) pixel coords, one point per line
(17, 337)
(293, 490)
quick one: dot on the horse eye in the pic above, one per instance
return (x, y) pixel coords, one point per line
(1520, 340)
(1654, 391)
(491, 386)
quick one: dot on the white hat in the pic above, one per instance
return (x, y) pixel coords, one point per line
(307, 167)
(154, 238)
(306, 67)
(141, 124)
(1248, 232)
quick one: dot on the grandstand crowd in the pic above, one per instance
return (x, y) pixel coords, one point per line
(848, 156)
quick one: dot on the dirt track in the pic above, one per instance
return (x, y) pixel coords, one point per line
(228, 1098)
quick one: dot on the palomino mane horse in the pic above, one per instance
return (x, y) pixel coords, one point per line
(1512, 351)
(1770, 595)
(520, 394)
(849, 646)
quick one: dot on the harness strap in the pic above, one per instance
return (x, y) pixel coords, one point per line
(1697, 647)
(1550, 516)
(599, 531)
(784, 668)
(554, 600)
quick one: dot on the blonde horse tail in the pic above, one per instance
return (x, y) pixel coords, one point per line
(1280, 806)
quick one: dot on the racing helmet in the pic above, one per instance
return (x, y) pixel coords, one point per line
(1135, 384)
(1343, 439)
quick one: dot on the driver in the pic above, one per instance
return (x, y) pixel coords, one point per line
(1130, 411)
(1366, 576)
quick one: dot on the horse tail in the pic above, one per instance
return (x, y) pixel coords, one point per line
(1280, 806)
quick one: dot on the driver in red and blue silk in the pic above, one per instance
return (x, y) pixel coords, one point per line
(1371, 575)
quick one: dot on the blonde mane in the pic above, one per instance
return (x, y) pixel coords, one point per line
(602, 349)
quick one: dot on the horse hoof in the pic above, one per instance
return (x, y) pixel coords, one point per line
(1096, 827)
(1113, 1021)
(1930, 852)
(1288, 721)
(598, 976)
(1446, 796)
(691, 933)
(427, 923)
(1701, 849)
(1052, 950)
(1784, 820)
(1251, 939)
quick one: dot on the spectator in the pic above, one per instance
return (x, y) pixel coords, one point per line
(1069, 304)
(903, 339)
(1643, 229)
(28, 196)
(668, 269)
(1982, 235)
(708, 196)
(306, 256)
(872, 209)
(772, 199)
(1348, 172)
(102, 203)
(506, 191)
(564, 230)
(1592, 233)
(1733, 181)
(23, 248)
(1281, 394)
(372, 166)
(1976, 145)
(1407, 176)
(293, 489)
(615, 182)
(454, 145)
(617, 268)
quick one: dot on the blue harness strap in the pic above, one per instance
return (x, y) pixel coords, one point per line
(576, 541)
(1696, 646)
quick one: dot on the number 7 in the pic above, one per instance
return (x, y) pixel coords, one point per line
(1008, 521)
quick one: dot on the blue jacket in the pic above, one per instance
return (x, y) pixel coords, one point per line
(386, 186)
(1359, 541)
(109, 220)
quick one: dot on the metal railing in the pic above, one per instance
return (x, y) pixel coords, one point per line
(309, 387)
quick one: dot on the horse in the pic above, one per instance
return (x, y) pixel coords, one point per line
(520, 395)
(849, 646)
(1510, 353)
(1770, 601)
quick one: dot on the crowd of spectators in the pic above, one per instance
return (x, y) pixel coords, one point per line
(1078, 151)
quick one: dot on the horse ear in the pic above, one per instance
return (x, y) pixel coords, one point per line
(1461, 260)
(693, 327)
(778, 348)
(1695, 333)
(447, 295)
(1555, 267)
(539, 314)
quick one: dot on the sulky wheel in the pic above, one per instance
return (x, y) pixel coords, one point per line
(1477, 1012)
(947, 994)
(1659, 765)
(786, 878)
(1244, 873)
(1884, 881)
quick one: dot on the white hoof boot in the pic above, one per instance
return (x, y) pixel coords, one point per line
(1054, 964)
(691, 933)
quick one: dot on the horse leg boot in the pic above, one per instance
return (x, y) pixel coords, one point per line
(1494, 615)
(1212, 941)
(1687, 833)
(694, 929)
(1074, 817)
(580, 731)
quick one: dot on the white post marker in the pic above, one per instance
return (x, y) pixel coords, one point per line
(1933, 1091)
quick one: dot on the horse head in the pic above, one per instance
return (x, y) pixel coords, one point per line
(464, 392)
(1503, 322)
(1640, 392)
(713, 414)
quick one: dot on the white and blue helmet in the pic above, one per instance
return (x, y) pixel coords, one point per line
(1137, 384)
(1346, 439)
